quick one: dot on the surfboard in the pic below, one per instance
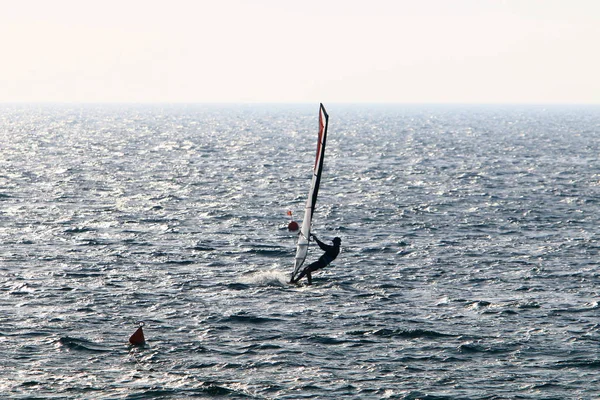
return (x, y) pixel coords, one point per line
(311, 201)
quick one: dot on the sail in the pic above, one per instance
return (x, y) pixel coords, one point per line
(311, 201)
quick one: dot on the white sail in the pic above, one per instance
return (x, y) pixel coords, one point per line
(311, 201)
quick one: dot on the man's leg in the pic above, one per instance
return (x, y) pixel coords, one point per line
(299, 277)
(302, 273)
(312, 268)
(306, 271)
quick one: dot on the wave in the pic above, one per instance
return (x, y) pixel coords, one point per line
(416, 395)
(79, 229)
(478, 347)
(327, 340)
(180, 262)
(210, 389)
(267, 252)
(403, 333)
(245, 318)
(593, 306)
(203, 248)
(75, 344)
(266, 278)
(579, 364)
(238, 286)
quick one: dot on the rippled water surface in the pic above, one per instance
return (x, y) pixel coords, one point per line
(469, 267)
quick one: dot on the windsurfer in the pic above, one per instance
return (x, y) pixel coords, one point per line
(331, 252)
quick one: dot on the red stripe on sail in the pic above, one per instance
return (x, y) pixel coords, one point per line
(320, 138)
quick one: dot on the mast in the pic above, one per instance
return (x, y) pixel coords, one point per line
(311, 201)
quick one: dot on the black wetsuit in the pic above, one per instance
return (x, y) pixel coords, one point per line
(331, 252)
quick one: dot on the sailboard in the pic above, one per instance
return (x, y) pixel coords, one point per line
(311, 201)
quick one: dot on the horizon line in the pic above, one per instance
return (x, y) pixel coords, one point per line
(250, 103)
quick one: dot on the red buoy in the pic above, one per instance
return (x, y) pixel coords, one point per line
(137, 339)
(293, 226)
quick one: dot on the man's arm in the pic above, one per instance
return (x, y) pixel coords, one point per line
(322, 245)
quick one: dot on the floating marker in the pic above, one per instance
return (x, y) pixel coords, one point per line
(137, 339)
(293, 226)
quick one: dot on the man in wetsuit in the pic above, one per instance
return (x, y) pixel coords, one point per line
(331, 252)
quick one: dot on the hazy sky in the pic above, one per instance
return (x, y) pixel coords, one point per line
(403, 51)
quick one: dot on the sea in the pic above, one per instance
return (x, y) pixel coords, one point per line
(469, 266)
